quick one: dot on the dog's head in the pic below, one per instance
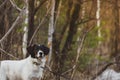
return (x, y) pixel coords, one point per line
(38, 51)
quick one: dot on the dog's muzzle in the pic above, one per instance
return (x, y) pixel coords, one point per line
(38, 62)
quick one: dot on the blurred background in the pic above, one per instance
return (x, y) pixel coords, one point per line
(83, 35)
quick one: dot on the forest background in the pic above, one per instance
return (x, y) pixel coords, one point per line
(83, 35)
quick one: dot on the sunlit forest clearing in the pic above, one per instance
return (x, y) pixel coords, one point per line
(83, 36)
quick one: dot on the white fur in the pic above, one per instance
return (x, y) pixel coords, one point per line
(109, 74)
(21, 69)
(38, 53)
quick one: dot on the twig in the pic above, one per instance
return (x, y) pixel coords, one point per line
(13, 25)
(86, 1)
(8, 54)
(84, 21)
(54, 73)
(39, 6)
(3, 4)
(108, 1)
(40, 24)
(102, 70)
(81, 42)
(58, 12)
(15, 6)
(68, 70)
(78, 54)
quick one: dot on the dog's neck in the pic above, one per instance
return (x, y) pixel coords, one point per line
(34, 61)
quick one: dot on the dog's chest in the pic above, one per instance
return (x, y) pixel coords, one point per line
(36, 72)
(32, 71)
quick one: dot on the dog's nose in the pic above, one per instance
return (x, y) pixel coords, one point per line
(41, 54)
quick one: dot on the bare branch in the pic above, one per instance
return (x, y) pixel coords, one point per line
(78, 53)
(58, 12)
(3, 4)
(8, 54)
(102, 70)
(14, 5)
(13, 25)
(69, 70)
(108, 1)
(39, 6)
(40, 24)
(82, 21)
(47, 68)
(80, 46)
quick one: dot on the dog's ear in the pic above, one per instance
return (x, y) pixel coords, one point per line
(44, 49)
(31, 49)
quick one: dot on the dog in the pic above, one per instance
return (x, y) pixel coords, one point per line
(29, 68)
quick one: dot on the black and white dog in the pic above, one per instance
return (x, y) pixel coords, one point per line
(29, 68)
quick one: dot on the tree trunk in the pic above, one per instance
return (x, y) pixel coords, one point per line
(5, 23)
(57, 40)
(51, 29)
(80, 41)
(98, 22)
(115, 38)
(25, 35)
(31, 26)
(71, 32)
(99, 32)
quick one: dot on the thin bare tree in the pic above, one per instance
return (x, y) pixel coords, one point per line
(25, 29)
(51, 29)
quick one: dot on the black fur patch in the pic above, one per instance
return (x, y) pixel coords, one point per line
(32, 50)
(44, 49)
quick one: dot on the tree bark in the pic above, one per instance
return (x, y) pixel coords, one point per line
(115, 38)
(51, 29)
(5, 24)
(25, 35)
(58, 39)
(98, 21)
(71, 32)
(31, 26)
